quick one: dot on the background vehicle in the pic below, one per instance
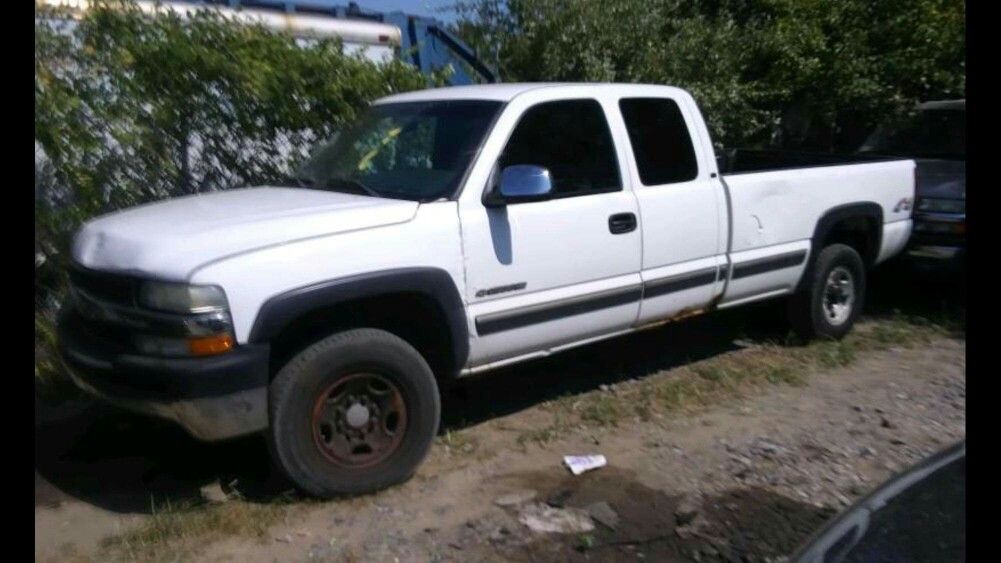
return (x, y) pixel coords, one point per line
(935, 137)
(919, 515)
(422, 41)
(450, 232)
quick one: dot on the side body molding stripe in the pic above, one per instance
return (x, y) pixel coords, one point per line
(767, 264)
(281, 310)
(664, 286)
(534, 314)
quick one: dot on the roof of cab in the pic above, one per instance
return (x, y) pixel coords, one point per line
(504, 92)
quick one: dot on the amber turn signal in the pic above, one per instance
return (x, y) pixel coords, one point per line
(210, 345)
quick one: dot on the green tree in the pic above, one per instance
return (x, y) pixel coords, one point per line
(131, 108)
(801, 73)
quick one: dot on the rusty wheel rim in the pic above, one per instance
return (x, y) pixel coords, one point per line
(359, 420)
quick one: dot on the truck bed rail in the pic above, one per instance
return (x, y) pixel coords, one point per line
(744, 161)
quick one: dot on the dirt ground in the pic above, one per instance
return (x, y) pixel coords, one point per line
(747, 479)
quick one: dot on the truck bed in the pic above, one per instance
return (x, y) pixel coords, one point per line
(744, 161)
(776, 199)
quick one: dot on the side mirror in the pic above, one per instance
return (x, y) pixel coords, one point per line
(520, 183)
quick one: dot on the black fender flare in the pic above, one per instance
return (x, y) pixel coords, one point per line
(280, 310)
(827, 221)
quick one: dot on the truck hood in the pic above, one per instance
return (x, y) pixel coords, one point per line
(171, 239)
(945, 179)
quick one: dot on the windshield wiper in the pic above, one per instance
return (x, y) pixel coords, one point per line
(343, 182)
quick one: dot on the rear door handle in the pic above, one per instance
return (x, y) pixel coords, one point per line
(622, 223)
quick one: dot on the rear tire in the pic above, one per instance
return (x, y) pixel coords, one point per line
(353, 413)
(833, 297)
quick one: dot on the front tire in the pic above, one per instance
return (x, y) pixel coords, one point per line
(834, 294)
(353, 413)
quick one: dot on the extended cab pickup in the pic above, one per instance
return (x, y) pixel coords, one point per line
(445, 233)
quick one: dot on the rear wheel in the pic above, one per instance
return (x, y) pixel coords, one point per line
(833, 297)
(353, 413)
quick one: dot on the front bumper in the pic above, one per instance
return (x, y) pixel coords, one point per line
(213, 398)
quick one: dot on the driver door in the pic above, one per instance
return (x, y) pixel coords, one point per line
(544, 274)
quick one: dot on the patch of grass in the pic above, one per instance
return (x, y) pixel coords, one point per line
(786, 374)
(459, 441)
(566, 403)
(785, 362)
(677, 393)
(714, 372)
(901, 330)
(565, 411)
(585, 542)
(603, 409)
(545, 434)
(644, 409)
(834, 353)
(540, 436)
(164, 534)
(770, 362)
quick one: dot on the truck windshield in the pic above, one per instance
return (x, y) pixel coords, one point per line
(418, 151)
(937, 133)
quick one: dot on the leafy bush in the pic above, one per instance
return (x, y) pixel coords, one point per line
(132, 108)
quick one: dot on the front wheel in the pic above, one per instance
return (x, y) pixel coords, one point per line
(353, 413)
(833, 296)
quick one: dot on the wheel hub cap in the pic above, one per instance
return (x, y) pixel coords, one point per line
(357, 415)
(839, 295)
(359, 420)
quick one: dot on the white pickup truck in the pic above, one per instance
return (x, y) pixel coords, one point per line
(446, 233)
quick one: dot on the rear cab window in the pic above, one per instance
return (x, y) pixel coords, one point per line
(661, 142)
(571, 139)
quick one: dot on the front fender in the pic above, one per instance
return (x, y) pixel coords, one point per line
(279, 311)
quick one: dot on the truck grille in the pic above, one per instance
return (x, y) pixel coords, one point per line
(103, 339)
(114, 288)
(93, 295)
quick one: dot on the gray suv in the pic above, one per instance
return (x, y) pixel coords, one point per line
(935, 137)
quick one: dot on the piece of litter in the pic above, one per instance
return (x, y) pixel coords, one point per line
(581, 463)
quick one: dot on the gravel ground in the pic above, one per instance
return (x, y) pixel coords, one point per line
(745, 480)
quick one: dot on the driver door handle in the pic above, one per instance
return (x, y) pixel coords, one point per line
(622, 223)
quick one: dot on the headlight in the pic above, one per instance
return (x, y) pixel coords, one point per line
(203, 329)
(942, 205)
(181, 298)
